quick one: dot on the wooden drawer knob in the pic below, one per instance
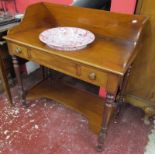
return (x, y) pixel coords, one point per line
(92, 76)
(18, 50)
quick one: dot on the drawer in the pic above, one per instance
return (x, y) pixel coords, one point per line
(94, 76)
(54, 62)
(18, 50)
(69, 67)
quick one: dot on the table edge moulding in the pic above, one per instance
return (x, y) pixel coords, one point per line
(104, 63)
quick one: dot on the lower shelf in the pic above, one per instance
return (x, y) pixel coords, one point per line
(88, 104)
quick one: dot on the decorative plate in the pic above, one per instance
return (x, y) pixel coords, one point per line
(67, 38)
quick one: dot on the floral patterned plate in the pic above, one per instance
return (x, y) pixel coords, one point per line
(67, 38)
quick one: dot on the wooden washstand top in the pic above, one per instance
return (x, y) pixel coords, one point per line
(118, 36)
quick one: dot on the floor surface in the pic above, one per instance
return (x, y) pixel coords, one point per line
(49, 127)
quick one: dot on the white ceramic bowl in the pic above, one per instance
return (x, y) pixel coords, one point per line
(67, 38)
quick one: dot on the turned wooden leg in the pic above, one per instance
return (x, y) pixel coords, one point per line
(119, 103)
(19, 80)
(49, 76)
(121, 93)
(43, 72)
(5, 82)
(108, 112)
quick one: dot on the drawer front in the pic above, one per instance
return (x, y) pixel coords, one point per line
(18, 50)
(53, 62)
(68, 67)
(94, 76)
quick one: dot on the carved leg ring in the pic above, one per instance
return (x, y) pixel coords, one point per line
(19, 80)
(109, 109)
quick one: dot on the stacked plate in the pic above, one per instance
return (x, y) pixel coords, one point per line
(67, 38)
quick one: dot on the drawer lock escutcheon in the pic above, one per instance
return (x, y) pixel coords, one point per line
(92, 76)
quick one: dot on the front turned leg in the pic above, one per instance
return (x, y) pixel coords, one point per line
(108, 112)
(19, 80)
